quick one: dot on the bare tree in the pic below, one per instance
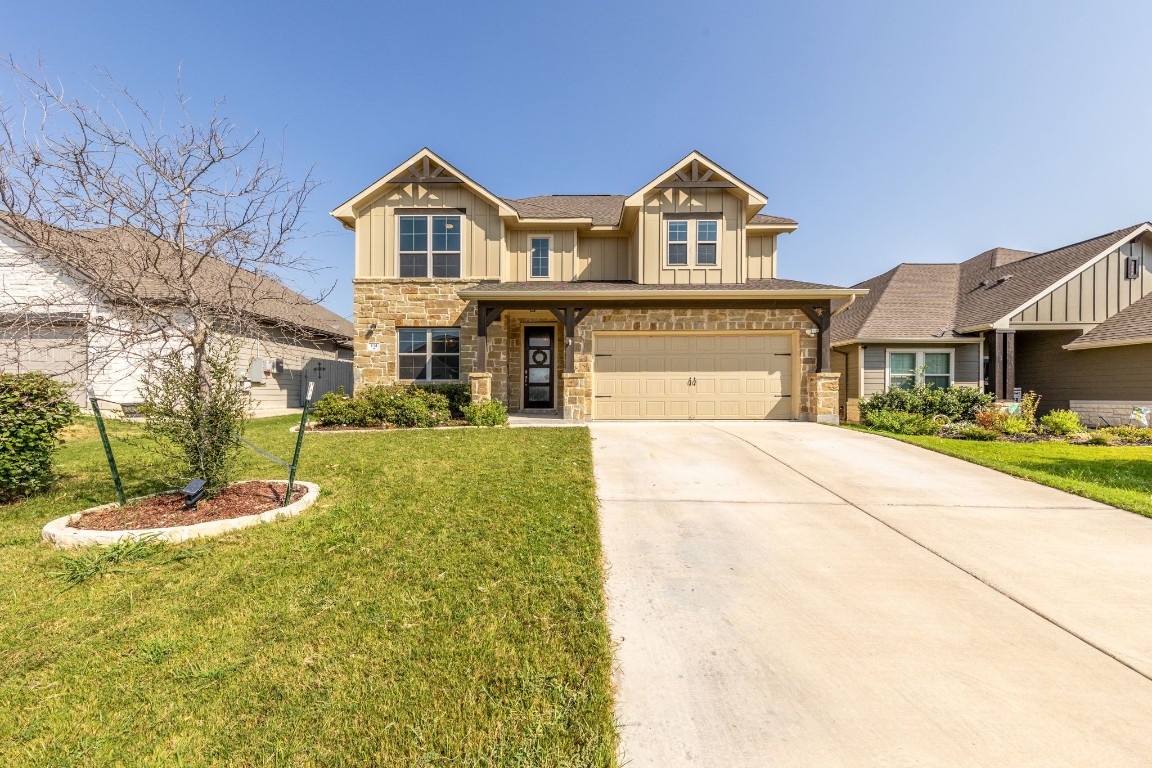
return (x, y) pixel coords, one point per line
(176, 227)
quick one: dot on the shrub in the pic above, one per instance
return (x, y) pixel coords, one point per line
(1062, 422)
(335, 410)
(34, 409)
(1100, 437)
(1127, 433)
(991, 418)
(956, 403)
(196, 415)
(974, 432)
(902, 423)
(405, 405)
(491, 413)
(459, 395)
(1014, 424)
(1029, 402)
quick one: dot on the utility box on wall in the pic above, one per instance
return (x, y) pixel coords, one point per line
(256, 371)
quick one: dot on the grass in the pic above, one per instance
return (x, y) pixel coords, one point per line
(440, 606)
(1116, 475)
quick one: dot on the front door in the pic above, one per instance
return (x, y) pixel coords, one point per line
(538, 367)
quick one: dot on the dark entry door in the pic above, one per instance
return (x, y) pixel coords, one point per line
(538, 367)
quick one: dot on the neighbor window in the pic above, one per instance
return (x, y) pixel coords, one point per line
(693, 241)
(429, 354)
(429, 246)
(541, 256)
(907, 368)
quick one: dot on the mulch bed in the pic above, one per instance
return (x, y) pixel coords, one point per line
(382, 427)
(165, 511)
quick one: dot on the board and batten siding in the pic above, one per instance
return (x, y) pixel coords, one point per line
(1061, 375)
(562, 257)
(968, 360)
(376, 229)
(728, 209)
(603, 258)
(1095, 294)
(761, 257)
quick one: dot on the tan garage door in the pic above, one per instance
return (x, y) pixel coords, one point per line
(688, 376)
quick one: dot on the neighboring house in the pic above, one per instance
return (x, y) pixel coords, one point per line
(55, 318)
(661, 304)
(1073, 324)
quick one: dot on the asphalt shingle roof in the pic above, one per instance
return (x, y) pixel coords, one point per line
(910, 301)
(1131, 325)
(604, 210)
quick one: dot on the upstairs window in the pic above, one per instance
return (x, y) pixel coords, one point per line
(429, 354)
(429, 246)
(541, 257)
(692, 241)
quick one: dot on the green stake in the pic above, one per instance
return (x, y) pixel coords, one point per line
(299, 441)
(107, 447)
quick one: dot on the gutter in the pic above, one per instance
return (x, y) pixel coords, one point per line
(658, 294)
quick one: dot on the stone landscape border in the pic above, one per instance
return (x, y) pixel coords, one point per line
(59, 534)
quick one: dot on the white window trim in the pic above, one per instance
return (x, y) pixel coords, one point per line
(551, 254)
(950, 351)
(428, 253)
(667, 240)
(693, 230)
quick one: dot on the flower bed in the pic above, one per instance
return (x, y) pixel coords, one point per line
(241, 505)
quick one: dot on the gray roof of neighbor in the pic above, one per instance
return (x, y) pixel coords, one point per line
(127, 262)
(933, 301)
(604, 210)
(1131, 325)
(771, 284)
(908, 301)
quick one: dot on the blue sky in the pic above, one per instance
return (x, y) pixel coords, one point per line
(892, 131)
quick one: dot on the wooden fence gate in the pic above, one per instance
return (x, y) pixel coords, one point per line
(328, 376)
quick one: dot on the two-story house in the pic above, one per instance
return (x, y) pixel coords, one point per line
(661, 304)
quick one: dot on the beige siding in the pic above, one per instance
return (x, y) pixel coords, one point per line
(376, 238)
(1094, 295)
(761, 257)
(603, 258)
(728, 208)
(280, 390)
(563, 258)
(967, 359)
(1061, 376)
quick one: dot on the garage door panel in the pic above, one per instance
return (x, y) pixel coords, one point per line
(719, 376)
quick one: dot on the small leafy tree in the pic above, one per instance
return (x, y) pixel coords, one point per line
(34, 409)
(195, 409)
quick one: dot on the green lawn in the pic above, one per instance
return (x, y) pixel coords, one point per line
(1116, 475)
(441, 605)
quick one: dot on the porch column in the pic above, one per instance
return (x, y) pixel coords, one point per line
(570, 317)
(1009, 363)
(996, 365)
(822, 318)
(485, 316)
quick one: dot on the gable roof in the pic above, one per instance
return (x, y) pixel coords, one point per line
(756, 198)
(910, 301)
(603, 210)
(346, 212)
(992, 290)
(129, 262)
(1131, 325)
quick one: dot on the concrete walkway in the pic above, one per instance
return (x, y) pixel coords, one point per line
(788, 594)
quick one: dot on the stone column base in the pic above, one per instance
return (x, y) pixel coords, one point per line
(576, 396)
(823, 398)
(481, 384)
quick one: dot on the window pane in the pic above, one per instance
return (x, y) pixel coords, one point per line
(445, 265)
(937, 363)
(413, 340)
(706, 253)
(902, 363)
(446, 340)
(706, 231)
(446, 233)
(413, 233)
(445, 366)
(902, 382)
(413, 367)
(943, 382)
(677, 253)
(540, 257)
(677, 231)
(413, 265)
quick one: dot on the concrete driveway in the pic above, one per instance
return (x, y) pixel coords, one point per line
(787, 594)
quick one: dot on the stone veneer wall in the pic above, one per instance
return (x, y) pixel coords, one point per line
(409, 303)
(1111, 413)
(578, 387)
